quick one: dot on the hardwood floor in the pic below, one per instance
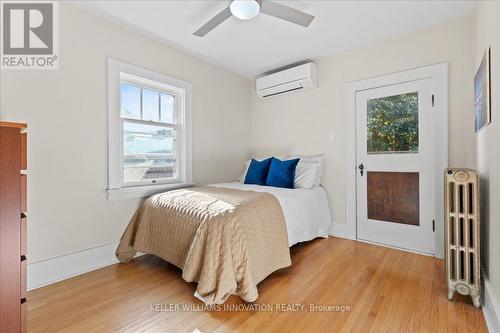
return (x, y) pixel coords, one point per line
(387, 291)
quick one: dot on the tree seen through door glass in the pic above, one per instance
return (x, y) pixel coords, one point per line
(392, 124)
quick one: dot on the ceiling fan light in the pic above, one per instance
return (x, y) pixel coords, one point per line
(245, 9)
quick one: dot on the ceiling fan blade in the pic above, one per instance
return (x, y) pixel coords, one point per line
(213, 23)
(286, 13)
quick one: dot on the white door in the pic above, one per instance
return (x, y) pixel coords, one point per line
(395, 178)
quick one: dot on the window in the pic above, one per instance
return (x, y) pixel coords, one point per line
(149, 132)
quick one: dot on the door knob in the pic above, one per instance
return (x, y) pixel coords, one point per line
(361, 167)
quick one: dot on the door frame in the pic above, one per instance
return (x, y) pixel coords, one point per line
(438, 73)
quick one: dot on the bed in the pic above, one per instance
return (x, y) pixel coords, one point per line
(306, 211)
(226, 237)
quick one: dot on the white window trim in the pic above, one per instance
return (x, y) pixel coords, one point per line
(117, 70)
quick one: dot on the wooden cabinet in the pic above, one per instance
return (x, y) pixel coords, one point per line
(13, 226)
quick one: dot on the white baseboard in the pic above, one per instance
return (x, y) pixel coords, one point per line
(64, 267)
(491, 310)
(53, 270)
(337, 230)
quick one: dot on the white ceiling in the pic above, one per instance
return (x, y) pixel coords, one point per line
(253, 47)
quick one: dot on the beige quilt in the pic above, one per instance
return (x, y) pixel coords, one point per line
(225, 239)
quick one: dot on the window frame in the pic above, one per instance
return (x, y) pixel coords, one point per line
(120, 72)
(179, 101)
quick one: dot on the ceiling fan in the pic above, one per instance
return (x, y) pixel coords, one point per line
(248, 9)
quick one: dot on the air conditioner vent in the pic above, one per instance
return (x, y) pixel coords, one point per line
(284, 91)
(297, 78)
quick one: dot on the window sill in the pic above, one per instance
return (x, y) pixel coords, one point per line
(143, 191)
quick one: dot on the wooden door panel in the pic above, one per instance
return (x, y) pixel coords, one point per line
(393, 197)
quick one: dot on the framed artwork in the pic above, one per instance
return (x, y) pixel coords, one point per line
(482, 93)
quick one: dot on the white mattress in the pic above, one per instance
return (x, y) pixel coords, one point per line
(306, 212)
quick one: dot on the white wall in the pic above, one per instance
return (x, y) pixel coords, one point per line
(300, 122)
(66, 112)
(488, 140)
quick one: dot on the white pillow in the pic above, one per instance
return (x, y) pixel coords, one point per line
(247, 164)
(309, 170)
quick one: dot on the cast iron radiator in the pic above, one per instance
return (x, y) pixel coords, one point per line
(462, 241)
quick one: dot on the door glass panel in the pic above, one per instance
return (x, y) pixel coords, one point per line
(393, 197)
(392, 124)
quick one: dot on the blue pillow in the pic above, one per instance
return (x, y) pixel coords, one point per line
(257, 172)
(282, 173)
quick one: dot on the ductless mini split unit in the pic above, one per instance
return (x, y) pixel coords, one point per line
(297, 78)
